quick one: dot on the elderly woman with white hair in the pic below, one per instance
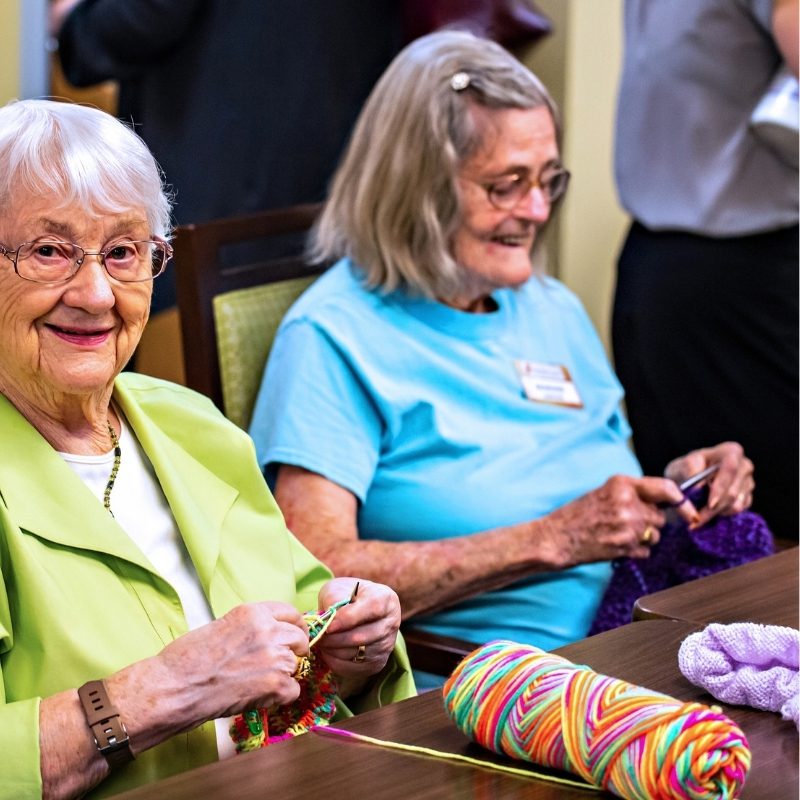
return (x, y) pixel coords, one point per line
(149, 589)
(437, 413)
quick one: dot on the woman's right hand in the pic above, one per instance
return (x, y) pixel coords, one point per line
(245, 659)
(620, 518)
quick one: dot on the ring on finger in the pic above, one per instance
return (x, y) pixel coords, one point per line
(361, 654)
(303, 668)
(647, 535)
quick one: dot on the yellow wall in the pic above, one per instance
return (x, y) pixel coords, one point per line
(9, 51)
(580, 64)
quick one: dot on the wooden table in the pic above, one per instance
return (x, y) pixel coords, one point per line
(316, 765)
(763, 591)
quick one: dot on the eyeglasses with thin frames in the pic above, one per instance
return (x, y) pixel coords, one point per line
(506, 193)
(56, 261)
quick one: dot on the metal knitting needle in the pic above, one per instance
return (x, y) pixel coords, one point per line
(691, 481)
(698, 478)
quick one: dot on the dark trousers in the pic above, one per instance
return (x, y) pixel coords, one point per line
(705, 337)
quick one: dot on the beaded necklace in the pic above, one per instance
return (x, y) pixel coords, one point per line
(114, 470)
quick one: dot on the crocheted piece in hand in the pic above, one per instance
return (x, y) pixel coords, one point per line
(683, 555)
(316, 705)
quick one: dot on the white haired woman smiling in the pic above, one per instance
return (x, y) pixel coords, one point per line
(434, 412)
(146, 571)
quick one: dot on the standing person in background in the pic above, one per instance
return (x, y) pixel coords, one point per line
(705, 325)
(245, 104)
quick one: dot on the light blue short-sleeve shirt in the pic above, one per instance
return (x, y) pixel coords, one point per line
(418, 410)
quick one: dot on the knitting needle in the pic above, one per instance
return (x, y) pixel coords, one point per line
(698, 478)
(355, 592)
(691, 481)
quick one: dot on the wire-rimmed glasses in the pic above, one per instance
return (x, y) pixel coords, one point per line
(506, 193)
(55, 261)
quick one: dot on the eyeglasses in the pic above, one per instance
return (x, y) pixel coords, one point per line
(506, 192)
(54, 261)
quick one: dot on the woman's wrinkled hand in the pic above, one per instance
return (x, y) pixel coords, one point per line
(730, 489)
(360, 639)
(245, 659)
(621, 518)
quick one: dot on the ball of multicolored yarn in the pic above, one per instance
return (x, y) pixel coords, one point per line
(634, 742)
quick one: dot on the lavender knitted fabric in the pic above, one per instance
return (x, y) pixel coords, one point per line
(746, 664)
(682, 555)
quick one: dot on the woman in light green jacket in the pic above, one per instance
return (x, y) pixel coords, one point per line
(142, 559)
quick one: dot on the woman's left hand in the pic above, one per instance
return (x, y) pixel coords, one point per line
(731, 487)
(362, 636)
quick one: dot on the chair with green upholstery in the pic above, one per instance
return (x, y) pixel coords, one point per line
(236, 278)
(246, 321)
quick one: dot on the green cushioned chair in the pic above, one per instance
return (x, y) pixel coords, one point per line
(236, 278)
(246, 322)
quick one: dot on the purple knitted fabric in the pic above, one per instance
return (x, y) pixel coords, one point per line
(746, 664)
(682, 555)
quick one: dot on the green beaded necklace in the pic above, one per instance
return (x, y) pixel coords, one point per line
(114, 470)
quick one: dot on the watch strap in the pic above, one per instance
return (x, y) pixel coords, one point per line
(105, 723)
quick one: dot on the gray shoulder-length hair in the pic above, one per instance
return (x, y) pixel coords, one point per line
(79, 154)
(394, 203)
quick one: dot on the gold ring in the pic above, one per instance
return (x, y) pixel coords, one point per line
(303, 668)
(647, 535)
(361, 654)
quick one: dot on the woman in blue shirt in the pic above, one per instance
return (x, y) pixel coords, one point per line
(438, 415)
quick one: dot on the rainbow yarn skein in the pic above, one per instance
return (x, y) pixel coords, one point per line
(639, 744)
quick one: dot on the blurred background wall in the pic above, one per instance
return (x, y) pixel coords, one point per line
(580, 64)
(9, 52)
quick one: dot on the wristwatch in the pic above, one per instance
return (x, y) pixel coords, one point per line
(106, 725)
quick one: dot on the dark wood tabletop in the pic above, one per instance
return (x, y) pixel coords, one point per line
(764, 591)
(320, 765)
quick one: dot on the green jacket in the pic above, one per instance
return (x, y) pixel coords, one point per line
(78, 600)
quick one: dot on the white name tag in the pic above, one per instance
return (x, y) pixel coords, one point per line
(548, 383)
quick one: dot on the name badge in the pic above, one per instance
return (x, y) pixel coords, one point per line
(548, 383)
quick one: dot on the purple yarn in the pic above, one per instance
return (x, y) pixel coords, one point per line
(680, 556)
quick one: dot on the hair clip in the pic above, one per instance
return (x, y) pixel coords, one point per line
(459, 81)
